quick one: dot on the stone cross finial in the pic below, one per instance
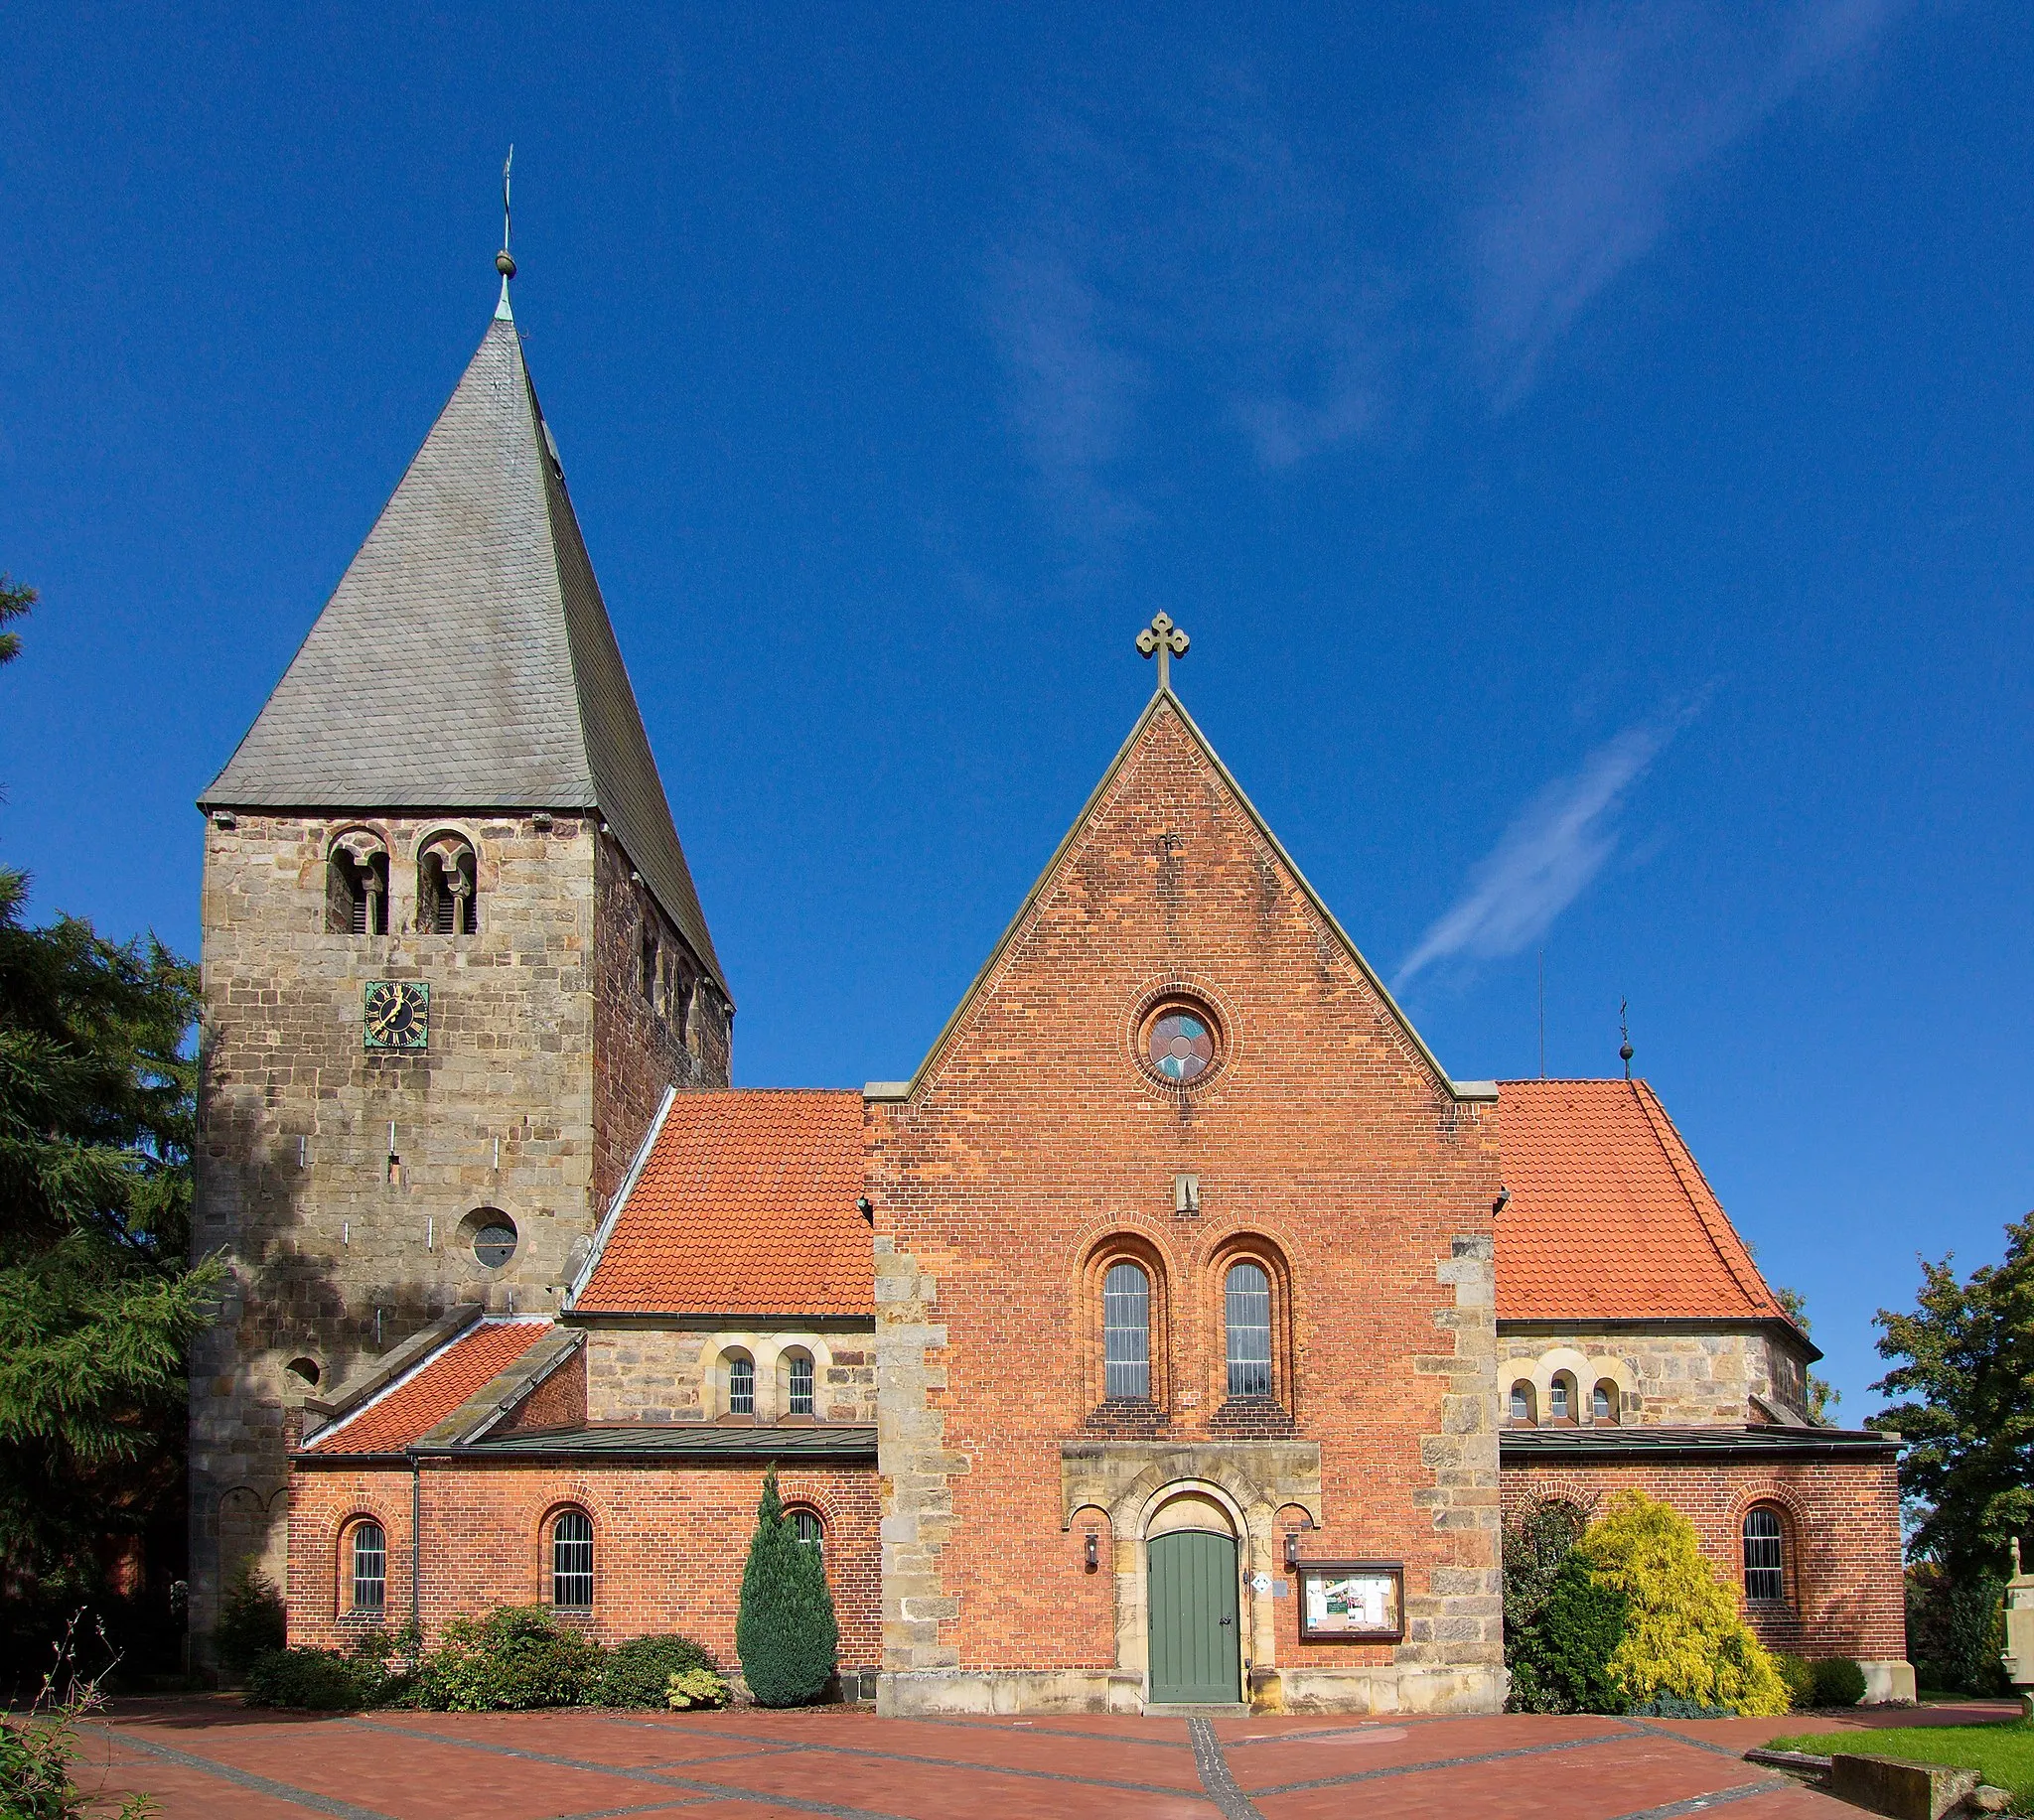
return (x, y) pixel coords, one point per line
(1164, 639)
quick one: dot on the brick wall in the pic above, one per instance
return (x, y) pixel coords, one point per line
(558, 1402)
(1323, 1146)
(669, 1546)
(1842, 1523)
(640, 1045)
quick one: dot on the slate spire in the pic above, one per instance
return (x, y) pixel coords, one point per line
(466, 661)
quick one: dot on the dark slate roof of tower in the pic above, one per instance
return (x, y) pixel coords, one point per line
(464, 660)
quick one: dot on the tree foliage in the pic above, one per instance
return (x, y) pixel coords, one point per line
(98, 1110)
(1822, 1396)
(1683, 1632)
(1964, 1360)
(785, 1631)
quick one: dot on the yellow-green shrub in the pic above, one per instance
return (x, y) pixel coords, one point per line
(1684, 1632)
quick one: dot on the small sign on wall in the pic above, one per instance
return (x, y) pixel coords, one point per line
(1352, 1601)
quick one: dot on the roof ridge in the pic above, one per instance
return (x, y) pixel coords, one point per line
(1655, 1114)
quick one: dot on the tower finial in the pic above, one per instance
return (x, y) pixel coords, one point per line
(1624, 1030)
(504, 263)
(1166, 641)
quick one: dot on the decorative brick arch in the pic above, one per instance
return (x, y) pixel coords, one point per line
(1125, 1241)
(1217, 1254)
(1794, 1531)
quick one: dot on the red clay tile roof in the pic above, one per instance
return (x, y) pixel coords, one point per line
(745, 1206)
(1609, 1216)
(430, 1391)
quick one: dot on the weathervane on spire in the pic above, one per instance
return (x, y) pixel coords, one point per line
(504, 263)
(1166, 641)
(1624, 1030)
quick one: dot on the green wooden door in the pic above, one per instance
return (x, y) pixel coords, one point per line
(1194, 1620)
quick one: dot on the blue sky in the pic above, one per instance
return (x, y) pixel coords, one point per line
(1589, 446)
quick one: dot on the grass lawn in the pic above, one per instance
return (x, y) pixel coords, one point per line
(2002, 1753)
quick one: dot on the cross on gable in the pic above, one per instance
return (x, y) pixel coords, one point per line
(1163, 639)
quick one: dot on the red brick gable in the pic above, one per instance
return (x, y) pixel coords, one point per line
(744, 1205)
(430, 1391)
(1609, 1218)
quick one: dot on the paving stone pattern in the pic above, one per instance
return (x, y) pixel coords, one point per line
(212, 1759)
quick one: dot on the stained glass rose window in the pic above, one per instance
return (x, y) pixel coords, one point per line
(1181, 1043)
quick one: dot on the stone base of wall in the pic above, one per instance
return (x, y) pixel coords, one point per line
(1888, 1684)
(1377, 1690)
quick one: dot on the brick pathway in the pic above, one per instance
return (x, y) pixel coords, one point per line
(213, 1759)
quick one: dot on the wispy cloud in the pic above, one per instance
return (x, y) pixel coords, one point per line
(1617, 108)
(1547, 856)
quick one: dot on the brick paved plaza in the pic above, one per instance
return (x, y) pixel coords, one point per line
(212, 1759)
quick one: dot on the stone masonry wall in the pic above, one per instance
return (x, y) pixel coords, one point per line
(669, 1546)
(1038, 1148)
(639, 1374)
(1667, 1377)
(640, 1043)
(343, 1243)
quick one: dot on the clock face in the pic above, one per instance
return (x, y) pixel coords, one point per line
(399, 1015)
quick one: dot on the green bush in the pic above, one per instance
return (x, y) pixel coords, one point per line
(306, 1680)
(785, 1631)
(1673, 1706)
(640, 1672)
(695, 1687)
(1683, 1632)
(512, 1659)
(1798, 1676)
(250, 1620)
(1955, 1628)
(1538, 1540)
(1563, 1660)
(1838, 1682)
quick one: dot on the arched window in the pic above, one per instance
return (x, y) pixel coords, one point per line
(356, 887)
(806, 1527)
(741, 1384)
(1246, 1310)
(572, 1561)
(1765, 1555)
(367, 1561)
(1126, 1332)
(797, 1399)
(1560, 1398)
(1521, 1403)
(1607, 1402)
(448, 898)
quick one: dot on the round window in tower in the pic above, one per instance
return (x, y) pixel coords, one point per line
(1181, 1043)
(493, 1243)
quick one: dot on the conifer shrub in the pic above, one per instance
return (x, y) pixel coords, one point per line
(250, 1620)
(1561, 1663)
(1798, 1676)
(1838, 1681)
(1683, 1632)
(640, 1672)
(785, 1631)
(514, 1658)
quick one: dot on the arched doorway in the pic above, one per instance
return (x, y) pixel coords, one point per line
(1196, 1624)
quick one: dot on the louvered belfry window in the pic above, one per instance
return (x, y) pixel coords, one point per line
(1126, 1332)
(1248, 1311)
(572, 1561)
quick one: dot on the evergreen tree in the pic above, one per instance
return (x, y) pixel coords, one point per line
(1965, 1356)
(98, 1109)
(784, 1631)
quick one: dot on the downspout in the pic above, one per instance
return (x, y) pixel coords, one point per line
(416, 1547)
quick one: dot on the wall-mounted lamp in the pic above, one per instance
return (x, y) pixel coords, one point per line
(1094, 1551)
(1291, 1551)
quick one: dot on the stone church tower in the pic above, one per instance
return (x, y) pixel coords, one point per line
(452, 956)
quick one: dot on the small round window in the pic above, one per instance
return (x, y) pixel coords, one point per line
(493, 1243)
(1180, 1042)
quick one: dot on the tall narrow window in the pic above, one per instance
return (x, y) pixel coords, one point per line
(741, 1385)
(800, 1399)
(1521, 1402)
(1126, 1332)
(572, 1561)
(647, 978)
(1605, 1404)
(806, 1526)
(1248, 1311)
(1765, 1555)
(448, 900)
(1560, 1398)
(370, 1567)
(357, 887)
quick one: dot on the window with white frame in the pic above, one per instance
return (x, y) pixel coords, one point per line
(572, 1561)
(368, 1548)
(1246, 1313)
(798, 1391)
(741, 1384)
(1765, 1555)
(1126, 1332)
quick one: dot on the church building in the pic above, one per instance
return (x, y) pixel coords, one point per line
(1174, 1335)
